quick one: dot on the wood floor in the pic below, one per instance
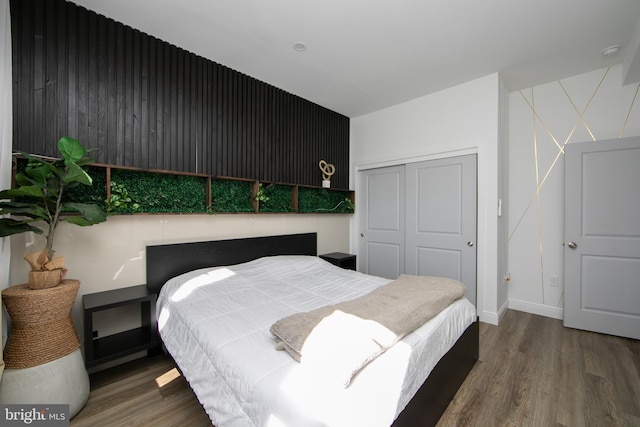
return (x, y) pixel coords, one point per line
(531, 372)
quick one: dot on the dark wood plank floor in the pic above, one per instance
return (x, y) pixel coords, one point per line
(531, 372)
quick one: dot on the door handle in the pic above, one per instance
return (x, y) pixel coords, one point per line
(572, 245)
(470, 244)
(361, 234)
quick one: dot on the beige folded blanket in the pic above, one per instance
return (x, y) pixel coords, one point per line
(340, 339)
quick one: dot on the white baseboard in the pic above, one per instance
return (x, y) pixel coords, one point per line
(490, 318)
(503, 309)
(494, 318)
(539, 309)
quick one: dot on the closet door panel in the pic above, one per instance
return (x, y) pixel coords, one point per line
(441, 219)
(381, 219)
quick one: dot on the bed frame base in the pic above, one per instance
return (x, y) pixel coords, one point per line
(433, 397)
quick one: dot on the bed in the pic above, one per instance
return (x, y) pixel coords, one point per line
(218, 299)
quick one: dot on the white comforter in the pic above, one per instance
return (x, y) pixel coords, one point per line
(215, 323)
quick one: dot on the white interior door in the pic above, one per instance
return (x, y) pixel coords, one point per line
(382, 219)
(602, 237)
(441, 220)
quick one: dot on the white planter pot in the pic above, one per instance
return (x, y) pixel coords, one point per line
(62, 381)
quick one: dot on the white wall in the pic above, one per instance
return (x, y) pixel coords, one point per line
(590, 106)
(6, 142)
(111, 255)
(503, 200)
(459, 120)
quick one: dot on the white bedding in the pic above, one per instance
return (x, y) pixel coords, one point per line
(215, 323)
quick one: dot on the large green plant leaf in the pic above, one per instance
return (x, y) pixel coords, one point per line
(24, 209)
(76, 174)
(90, 213)
(26, 191)
(85, 160)
(72, 150)
(22, 180)
(77, 220)
(9, 226)
(38, 171)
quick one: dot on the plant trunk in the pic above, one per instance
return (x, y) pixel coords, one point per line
(50, 237)
(54, 222)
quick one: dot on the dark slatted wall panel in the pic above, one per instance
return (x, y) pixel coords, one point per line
(148, 104)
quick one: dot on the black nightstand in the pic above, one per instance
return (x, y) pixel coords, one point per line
(346, 261)
(101, 350)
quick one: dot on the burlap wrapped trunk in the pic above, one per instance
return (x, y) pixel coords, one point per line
(44, 273)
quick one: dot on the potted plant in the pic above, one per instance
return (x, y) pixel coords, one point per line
(39, 197)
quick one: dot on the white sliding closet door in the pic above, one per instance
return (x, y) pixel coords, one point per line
(381, 248)
(420, 218)
(441, 220)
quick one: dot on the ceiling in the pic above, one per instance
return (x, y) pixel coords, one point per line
(366, 55)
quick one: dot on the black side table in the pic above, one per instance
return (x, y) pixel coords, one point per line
(101, 350)
(346, 261)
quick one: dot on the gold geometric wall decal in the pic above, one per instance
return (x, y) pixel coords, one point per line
(538, 186)
(539, 182)
(581, 115)
(626, 120)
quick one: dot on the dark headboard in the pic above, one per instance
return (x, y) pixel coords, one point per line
(167, 261)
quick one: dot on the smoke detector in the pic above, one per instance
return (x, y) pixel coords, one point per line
(608, 52)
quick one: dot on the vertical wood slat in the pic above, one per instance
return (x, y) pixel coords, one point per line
(151, 105)
(39, 82)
